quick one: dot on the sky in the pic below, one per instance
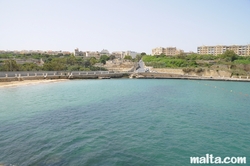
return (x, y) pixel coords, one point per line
(121, 25)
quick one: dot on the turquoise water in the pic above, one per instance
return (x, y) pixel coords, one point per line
(123, 122)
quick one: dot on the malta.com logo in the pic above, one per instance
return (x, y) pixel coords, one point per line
(210, 159)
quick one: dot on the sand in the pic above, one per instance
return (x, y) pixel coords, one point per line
(28, 82)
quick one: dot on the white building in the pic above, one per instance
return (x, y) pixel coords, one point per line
(132, 53)
(95, 54)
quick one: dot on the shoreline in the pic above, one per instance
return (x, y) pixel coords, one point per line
(24, 82)
(28, 82)
(200, 79)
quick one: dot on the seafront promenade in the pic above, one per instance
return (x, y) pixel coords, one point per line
(190, 77)
(50, 75)
(38, 75)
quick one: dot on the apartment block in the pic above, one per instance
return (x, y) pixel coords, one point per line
(242, 50)
(166, 51)
(119, 54)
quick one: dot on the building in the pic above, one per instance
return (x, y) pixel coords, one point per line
(79, 53)
(242, 50)
(122, 54)
(104, 52)
(76, 52)
(131, 53)
(95, 54)
(169, 51)
(119, 54)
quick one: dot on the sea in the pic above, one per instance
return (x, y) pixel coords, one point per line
(120, 122)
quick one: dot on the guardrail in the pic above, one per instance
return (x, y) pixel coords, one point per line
(55, 73)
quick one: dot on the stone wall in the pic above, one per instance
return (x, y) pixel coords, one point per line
(210, 73)
(119, 66)
(204, 73)
(166, 70)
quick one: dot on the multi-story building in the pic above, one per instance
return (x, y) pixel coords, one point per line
(166, 51)
(79, 53)
(132, 53)
(122, 54)
(76, 52)
(95, 54)
(242, 50)
(119, 54)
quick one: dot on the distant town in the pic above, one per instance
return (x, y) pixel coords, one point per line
(233, 60)
(241, 50)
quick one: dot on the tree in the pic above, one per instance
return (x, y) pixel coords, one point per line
(229, 55)
(87, 63)
(111, 57)
(11, 65)
(128, 57)
(181, 56)
(71, 60)
(56, 64)
(93, 60)
(30, 67)
(139, 56)
(104, 58)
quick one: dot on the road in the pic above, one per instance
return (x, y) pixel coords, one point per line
(141, 68)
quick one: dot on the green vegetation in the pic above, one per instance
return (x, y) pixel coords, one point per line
(161, 61)
(238, 65)
(228, 61)
(194, 60)
(243, 61)
(104, 58)
(51, 63)
(139, 57)
(127, 57)
(10, 65)
(32, 56)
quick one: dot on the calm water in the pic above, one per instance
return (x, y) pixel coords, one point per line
(123, 122)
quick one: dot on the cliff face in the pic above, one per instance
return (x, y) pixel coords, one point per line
(195, 72)
(211, 73)
(119, 66)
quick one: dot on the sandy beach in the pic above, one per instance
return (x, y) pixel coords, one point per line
(28, 82)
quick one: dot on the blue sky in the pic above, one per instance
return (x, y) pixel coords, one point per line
(120, 25)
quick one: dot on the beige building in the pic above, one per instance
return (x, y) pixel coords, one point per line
(166, 51)
(119, 54)
(243, 50)
(95, 54)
